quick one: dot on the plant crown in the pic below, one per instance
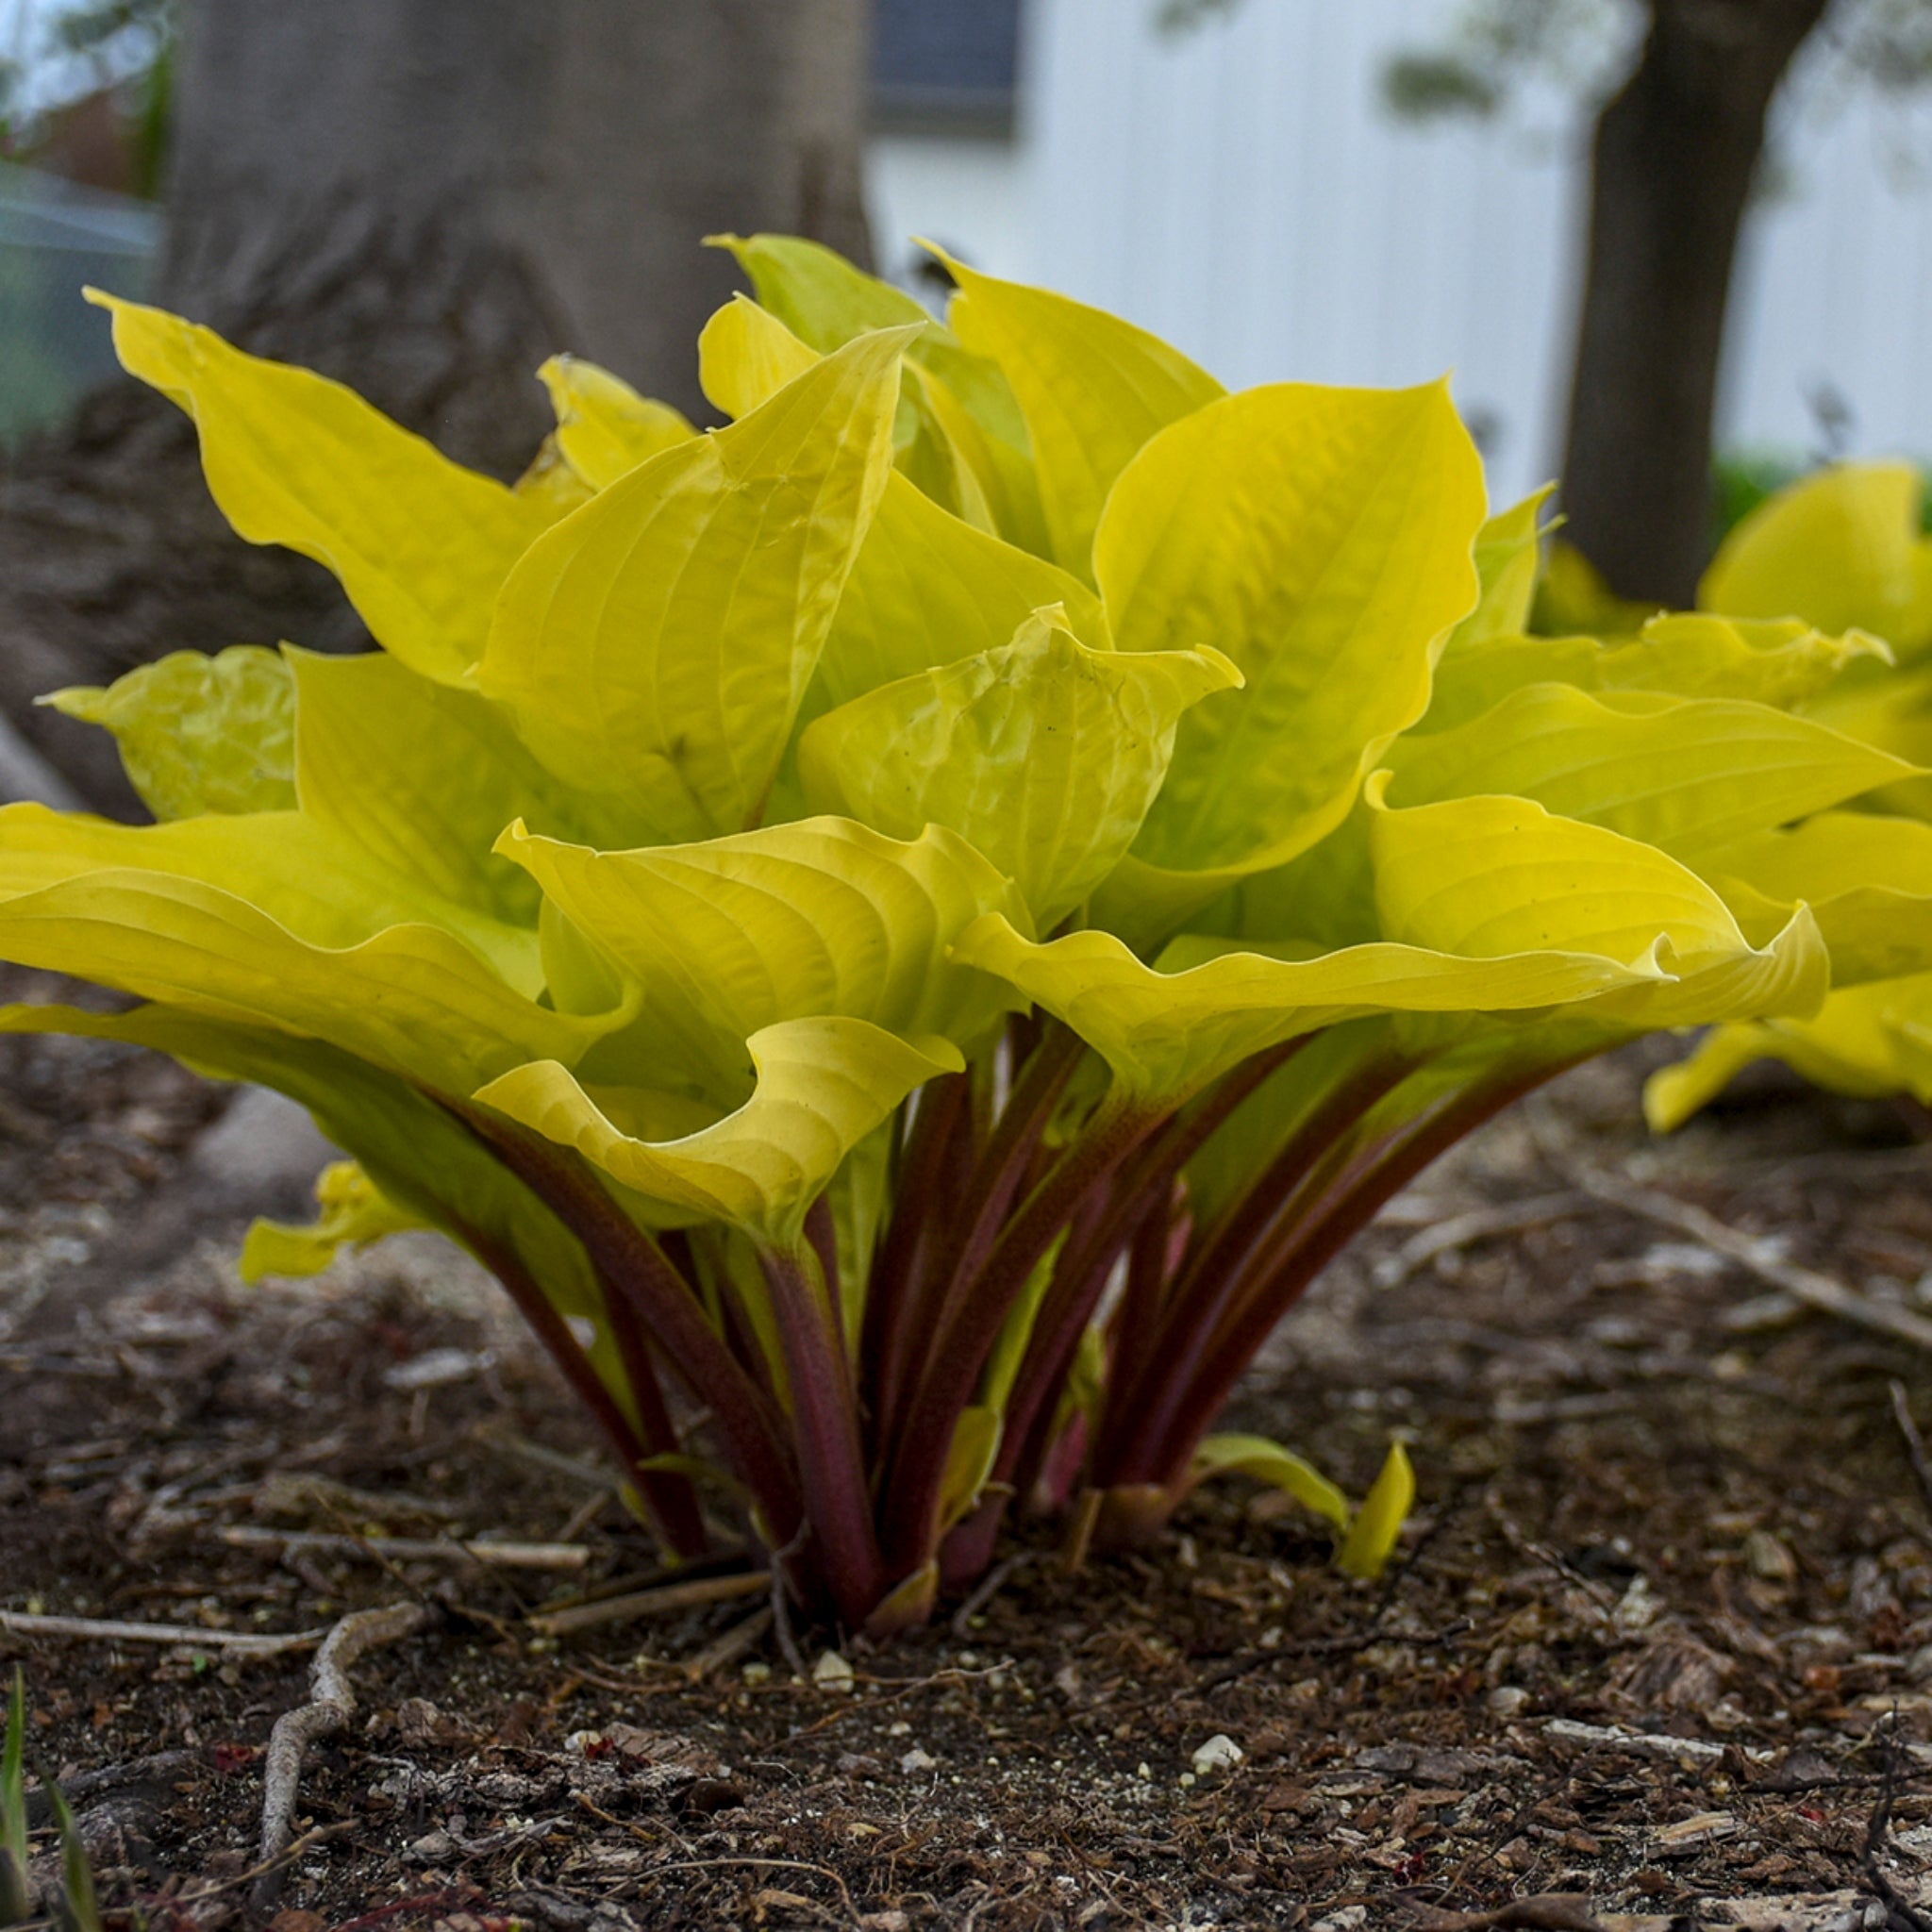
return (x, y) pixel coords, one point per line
(908, 930)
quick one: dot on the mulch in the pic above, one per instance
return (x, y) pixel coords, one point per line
(1658, 1650)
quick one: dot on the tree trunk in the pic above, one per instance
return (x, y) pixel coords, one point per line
(424, 198)
(1673, 164)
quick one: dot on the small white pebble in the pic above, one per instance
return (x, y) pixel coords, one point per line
(968, 1659)
(581, 1744)
(1189, 1780)
(1508, 1700)
(1220, 1753)
(900, 1729)
(916, 1761)
(1143, 1770)
(832, 1673)
(756, 1673)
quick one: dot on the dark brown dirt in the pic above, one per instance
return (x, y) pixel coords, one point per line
(1661, 1635)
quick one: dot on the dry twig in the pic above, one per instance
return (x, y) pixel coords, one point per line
(1803, 1284)
(332, 1703)
(651, 1602)
(240, 1642)
(501, 1556)
(1915, 1443)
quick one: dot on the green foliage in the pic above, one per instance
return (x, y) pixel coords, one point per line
(906, 930)
(76, 1909)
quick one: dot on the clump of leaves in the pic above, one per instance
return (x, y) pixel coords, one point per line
(76, 1909)
(1842, 548)
(908, 931)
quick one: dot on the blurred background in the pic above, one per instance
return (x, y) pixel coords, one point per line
(1674, 251)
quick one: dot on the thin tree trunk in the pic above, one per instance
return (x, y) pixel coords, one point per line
(1672, 165)
(424, 198)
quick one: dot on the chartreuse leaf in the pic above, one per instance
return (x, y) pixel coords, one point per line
(747, 354)
(821, 916)
(1841, 549)
(1092, 389)
(970, 1458)
(1042, 754)
(421, 544)
(1505, 558)
(1856, 1043)
(199, 734)
(1489, 878)
(1268, 1462)
(80, 1907)
(929, 590)
(324, 888)
(819, 295)
(1774, 661)
(1475, 676)
(1867, 879)
(823, 1084)
(1372, 1538)
(1320, 538)
(355, 1212)
(1685, 776)
(655, 646)
(1168, 1030)
(421, 1158)
(605, 429)
(423, 778)
(146, 910)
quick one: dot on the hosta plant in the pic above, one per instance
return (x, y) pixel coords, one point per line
(1842, 550)
(906, 930)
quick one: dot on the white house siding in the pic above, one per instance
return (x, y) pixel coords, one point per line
(1241, 190)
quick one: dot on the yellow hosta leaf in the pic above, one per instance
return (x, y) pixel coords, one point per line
(323, 888)
(655, 645)
(822, 1086)
(1839, 549)
(1168, 1030)
(1858, 1042)
(1268, 1462)
(1475, 676)
(421, 544)
(930, 590)
(1687, 775)
(746, 355)
(1505, 556)
(819, 917)
(1774, 661)
(1496, 877)
(605, 429)
(1320, 538)
(1042, 754)
(199, 734)
(425, 778)
(1372, 1538)
(1868, 881)
(1093, 389)
(355, 1212)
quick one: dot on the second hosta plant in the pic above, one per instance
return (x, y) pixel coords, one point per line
(908, 930)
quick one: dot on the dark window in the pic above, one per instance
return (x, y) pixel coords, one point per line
(946, 63)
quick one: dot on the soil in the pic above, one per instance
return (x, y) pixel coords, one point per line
(1657, 1650)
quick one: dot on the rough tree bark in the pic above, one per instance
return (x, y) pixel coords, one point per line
(1672, 163)
(424, 198)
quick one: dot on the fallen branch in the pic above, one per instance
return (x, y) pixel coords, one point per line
(239, 1643)
(651, 1602)
(1477, 1224)
(332, 1703)
(503, 1556)
(1806, 1285)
